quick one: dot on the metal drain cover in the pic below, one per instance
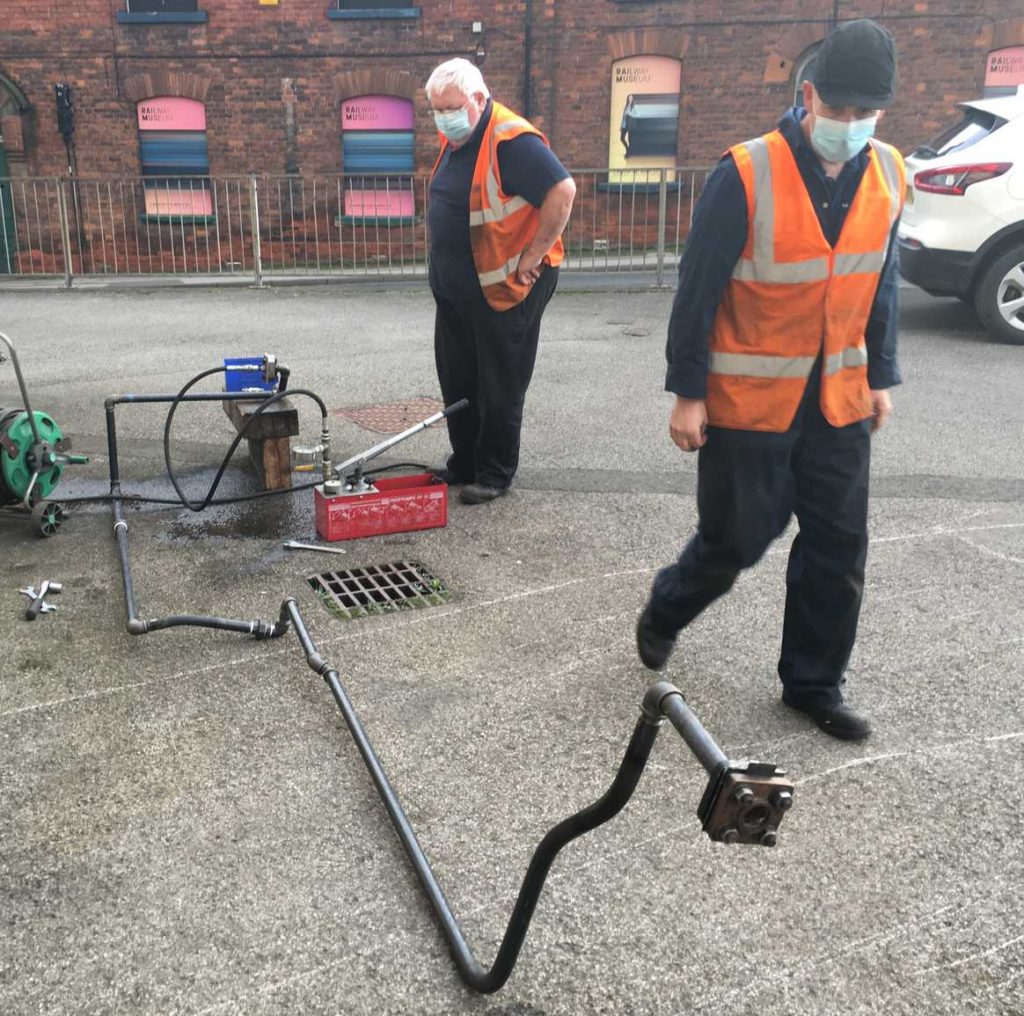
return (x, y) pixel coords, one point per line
(378, 589)
(391, 417)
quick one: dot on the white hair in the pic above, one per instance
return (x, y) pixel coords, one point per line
(464, 75)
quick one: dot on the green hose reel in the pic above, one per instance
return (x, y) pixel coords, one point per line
(22, 457)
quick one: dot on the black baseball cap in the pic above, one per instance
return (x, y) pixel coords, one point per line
(856, 66)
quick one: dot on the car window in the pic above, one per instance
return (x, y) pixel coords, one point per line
(968, 130)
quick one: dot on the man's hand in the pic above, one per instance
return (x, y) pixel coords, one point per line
(881, 409)
(529, 268)
(554, 214)
(688, 423)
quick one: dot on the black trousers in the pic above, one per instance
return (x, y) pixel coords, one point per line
(487, 356)
(748, 486)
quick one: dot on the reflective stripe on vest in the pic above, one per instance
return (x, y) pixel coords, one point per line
(893, 178)
(498, 211)
(499, 274)
(757, 365)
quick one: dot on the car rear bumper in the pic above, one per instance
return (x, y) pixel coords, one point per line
(940, 272)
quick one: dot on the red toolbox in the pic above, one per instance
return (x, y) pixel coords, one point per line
(400, 504)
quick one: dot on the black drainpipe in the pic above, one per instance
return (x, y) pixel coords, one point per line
(527, 54)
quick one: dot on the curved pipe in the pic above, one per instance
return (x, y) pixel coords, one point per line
(660, 699)
(21, 385)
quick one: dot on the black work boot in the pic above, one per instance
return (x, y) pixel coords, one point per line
(837, 720)
(654, 649)
(447, 475)
(480, 493)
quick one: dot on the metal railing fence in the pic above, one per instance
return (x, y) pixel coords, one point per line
(260, 227)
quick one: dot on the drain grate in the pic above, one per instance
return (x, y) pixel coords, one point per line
(392, 417)
(378, 589)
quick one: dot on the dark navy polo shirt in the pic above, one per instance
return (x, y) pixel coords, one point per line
(717, 238)
(528, 169)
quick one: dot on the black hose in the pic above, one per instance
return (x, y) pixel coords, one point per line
(137, 499)
(399, 465)
(128, 496)
(199, 506)
(178, 503)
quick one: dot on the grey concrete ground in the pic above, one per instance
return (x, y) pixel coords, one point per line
(186, 827)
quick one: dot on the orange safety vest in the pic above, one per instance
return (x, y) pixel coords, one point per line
(792, 296)
(500, 227)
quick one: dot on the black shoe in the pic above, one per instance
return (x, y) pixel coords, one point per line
(654, 649)
(480, 493)
(836, 720)
(453, 479)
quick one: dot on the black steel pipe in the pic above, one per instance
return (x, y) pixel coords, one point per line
(670, 703)
(129, 399)
(121, 535)
(661, 697)
(135, 625)
(114, 467)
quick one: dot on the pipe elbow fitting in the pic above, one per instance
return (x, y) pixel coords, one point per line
(653, 698)
(136, 626)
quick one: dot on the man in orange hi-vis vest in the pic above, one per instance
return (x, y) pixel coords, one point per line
(499, 200)
(781, 351)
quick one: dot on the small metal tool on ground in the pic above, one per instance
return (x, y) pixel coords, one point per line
(39, 605)
(295, 545)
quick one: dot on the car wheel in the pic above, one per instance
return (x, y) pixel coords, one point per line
(999, 299)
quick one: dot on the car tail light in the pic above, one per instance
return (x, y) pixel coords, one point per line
(956, 179)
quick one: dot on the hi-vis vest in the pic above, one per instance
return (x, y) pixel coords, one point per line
(500, 227)
(792, 296)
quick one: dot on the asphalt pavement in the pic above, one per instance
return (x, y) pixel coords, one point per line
(187, 828)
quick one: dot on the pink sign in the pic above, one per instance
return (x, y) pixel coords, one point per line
(163, 201)
(172, 113)
(376, 113)
(1005, 68)
(379, 204)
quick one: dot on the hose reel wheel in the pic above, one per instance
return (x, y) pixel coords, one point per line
(21, 457)
(47, 517)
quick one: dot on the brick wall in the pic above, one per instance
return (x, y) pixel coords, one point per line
(273, 77)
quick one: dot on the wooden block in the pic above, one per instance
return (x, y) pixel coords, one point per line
(273, 461)
(279, 420)
(268, 438)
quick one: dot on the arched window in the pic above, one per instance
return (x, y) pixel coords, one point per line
(377, 157)
(174, 156)
(804, 72)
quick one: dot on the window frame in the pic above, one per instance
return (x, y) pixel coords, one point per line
(360, 10)
(407, 177)
(159, 181)
(194, 16)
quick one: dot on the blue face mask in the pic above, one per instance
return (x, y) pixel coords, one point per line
(838, 141)
(455, 126)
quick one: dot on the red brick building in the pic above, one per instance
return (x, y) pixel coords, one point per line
(262, 85)
(273, 76)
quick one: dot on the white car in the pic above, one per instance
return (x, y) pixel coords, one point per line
(962, 231)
